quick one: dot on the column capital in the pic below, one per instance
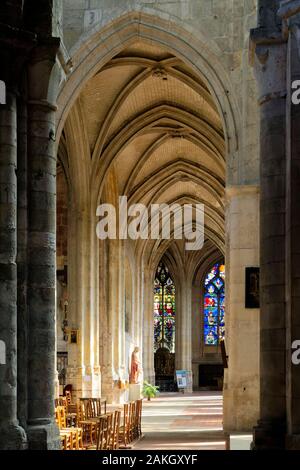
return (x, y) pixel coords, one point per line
(43, 104)
(269, 60)
(40, 70)
(15, 48)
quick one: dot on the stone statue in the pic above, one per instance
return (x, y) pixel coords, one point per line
(135, 368)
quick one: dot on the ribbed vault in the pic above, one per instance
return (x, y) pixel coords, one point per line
(149, 124)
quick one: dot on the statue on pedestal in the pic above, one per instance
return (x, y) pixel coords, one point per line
(135, 368)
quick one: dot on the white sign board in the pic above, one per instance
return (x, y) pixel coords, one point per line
(181, 376)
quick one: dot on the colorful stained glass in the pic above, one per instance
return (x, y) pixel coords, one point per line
(164, 309)
(214, 305)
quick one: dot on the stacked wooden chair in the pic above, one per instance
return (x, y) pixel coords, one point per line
(71, 410)
(71, 437)
(96, 407)
(131, 428)
(87, 422)
(61, 401)
(108, 431)
(68, 397)
(114, 437)
(95, 428)
(124, 428)
(138, 419)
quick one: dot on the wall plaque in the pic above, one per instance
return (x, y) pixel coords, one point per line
(252, 288)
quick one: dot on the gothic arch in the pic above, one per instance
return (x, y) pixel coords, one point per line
(95, 49)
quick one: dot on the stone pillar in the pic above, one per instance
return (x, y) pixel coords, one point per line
(184, 329)
(271, 78)
(95, 329)
(42, 430)
(136, 317)
(114, 337)
(241, 379)
(83, 371)
(76, 281)
(12, 436)
(178, 322)
(22, 261)
(292, 244)
(148, 327)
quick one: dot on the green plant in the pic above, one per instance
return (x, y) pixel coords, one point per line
(150, 391)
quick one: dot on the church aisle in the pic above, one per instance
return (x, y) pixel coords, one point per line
(176, 421)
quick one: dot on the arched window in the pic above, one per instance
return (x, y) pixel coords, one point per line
(164, 309)
(214, 305)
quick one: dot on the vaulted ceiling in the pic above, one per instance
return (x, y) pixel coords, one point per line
(152, 123)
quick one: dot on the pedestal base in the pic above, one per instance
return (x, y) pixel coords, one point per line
(134, 392)
(12, 437)
(44, 437)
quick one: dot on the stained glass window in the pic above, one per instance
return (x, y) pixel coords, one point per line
(164, 309)
(214, 305)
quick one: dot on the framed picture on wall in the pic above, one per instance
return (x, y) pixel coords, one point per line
(252, 288)
(73, 336)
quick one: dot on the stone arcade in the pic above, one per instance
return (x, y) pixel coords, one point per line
(182, 102)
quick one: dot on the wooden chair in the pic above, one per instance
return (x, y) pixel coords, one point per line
(101, 433)
(104, 431)
(66, 436)
(85, 407)
(65, 445)
(64, 442)
(76, 432)
(103, 404)
(94, 407)
(61, 401)
(71, 416)
(132, 407)
(68, 397)
(88, 425)
(138, 418)
(114, 436)
(124, 429)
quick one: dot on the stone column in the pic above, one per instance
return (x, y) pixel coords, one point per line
(76, 280)
(95, 333)
(12, 436)
(271, 78)
(241, 379)
(22, 260)
(138, 282)
(292, 244)
(184, 328)
(114, 336)
(81, 371)
(178, 323)
(148, 327)
(42, 430)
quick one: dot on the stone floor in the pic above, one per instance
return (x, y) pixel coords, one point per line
(176, 421)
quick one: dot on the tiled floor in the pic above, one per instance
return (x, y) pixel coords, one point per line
(176, 421)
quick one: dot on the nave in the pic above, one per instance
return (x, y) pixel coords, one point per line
(183, 422)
